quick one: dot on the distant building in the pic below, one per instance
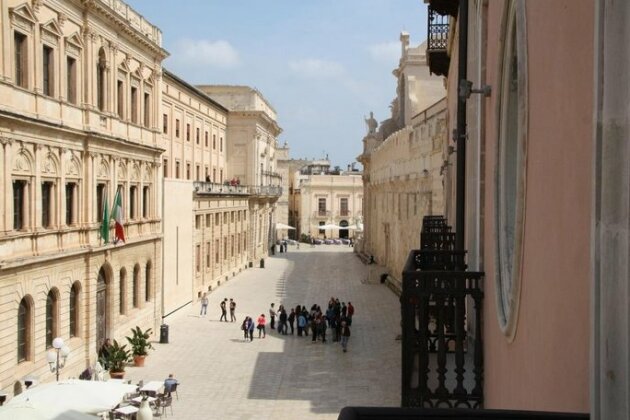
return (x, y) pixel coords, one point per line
(403, 164)
(322, 196)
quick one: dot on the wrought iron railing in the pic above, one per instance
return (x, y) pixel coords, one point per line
(396, 413)
(227, 189)
(437, 42)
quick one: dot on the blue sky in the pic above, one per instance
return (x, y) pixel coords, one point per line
(323, 64)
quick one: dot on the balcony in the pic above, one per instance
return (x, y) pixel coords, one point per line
(395, 413)
(271, 174)
(211, 188)
(444, 7)
(437, 42)
(321, 214)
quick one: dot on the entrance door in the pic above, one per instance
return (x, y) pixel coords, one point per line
(343, 233)
(101, 308)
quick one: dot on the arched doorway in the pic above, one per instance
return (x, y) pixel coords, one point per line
(343, 232)
(101, 307)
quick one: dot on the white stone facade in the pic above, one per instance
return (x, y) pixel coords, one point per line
(403, 164)
(78, 117)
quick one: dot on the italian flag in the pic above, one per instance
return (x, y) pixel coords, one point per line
(117, 215)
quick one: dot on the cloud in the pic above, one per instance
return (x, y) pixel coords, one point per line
(219, 54)
(313, 68)
(385, 52)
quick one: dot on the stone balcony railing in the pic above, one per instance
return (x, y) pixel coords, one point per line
(321, 214)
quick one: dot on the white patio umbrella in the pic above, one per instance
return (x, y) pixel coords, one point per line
(89, 397)
(329, 226)
(28, 411)
(351, 227)
(283, 226)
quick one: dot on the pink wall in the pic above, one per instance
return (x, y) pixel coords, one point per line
(546, 367)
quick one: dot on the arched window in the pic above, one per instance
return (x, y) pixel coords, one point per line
(123, 291)
(136, 286)
(75, 290)
(101, 78)
(52, 304)
(24, 330)
(147, 282)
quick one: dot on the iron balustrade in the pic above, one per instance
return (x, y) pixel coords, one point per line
(321, 214)
(397, 413)
(437, 42)
(227, 189)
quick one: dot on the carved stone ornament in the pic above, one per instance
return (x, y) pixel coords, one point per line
(62, 17)
(5, 140)
(103, 169)
(147, 173)
(23, 17)
(135, 173)
(122, 170)
(48, 165)
(73, 166)
(37, 4)
(22, 163)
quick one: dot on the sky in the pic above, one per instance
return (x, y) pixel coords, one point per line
(322, 64)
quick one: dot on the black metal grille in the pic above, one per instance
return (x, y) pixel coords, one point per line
(442, 359)
(437, 38)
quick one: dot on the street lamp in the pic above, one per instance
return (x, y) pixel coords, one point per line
(53, 356)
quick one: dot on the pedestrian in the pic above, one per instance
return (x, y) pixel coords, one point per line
(345, 335)
(282, 325)
(301, 323)
(223, 306)
(204, 305)
(272, 316)
(350, 313)
(250, 328)
(292, 319)
(307, 319)
(232, 309)
(344, 309)
(245, 328)
(313, 325)
(321, 329)
(261, 326)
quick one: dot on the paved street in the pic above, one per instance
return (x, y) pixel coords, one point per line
(283, 377)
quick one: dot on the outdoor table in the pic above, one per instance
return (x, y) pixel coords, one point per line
(139, 399)
(152, 387)
(127, 410)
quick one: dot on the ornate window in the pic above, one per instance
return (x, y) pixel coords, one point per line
(52, 312)
(48, 70)
(24, 320)
(122, 290)
(148, 290)
(101, 79)
(19, 204)
(510, 181)
(71, 80)
(136, 286)
(20, 46)
(75, 291)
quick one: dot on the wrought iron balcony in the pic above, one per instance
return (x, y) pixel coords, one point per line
(445, 7)
(321, 214)
(211, 188)
(437, 42)
(442, 359)
(396, 413)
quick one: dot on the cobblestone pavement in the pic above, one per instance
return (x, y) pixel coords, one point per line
(283, 377)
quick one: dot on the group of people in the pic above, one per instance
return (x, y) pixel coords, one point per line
(224, 305)
(337, 318)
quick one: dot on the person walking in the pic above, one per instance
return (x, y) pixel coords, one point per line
(345, 335)
(250, 329)
(272, 316)
(223, 306)
(292, 319)
(313, 326)
(245, 328)
(204, 305)
(261, 326)
(350, 313)
(282, 325)
(301, 323)
(232, 309)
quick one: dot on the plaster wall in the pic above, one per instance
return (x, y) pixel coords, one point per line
(546, 366)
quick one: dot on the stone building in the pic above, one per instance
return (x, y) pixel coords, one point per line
(79, 119)
(327, 197)
(403, 164)
(197, 203)
(251, 159)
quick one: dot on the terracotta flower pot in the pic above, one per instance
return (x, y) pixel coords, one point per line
(138, 360)
(117, 375)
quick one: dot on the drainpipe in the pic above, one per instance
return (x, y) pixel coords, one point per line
(460, 194)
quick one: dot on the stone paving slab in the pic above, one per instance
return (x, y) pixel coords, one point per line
(283, 377)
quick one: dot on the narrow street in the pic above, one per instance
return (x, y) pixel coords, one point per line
(283, 377)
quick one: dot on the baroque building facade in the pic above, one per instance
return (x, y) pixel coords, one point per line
(326, 197)
(78, 122)
(403, 164)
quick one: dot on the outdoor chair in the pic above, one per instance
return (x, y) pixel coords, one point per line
(171, 389)
(166, 402)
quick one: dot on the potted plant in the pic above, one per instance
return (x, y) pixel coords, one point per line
(140, 345)
(117, 358)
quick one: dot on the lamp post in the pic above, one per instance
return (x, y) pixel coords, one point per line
(57, 358)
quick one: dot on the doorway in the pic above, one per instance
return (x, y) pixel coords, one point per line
(101, 308)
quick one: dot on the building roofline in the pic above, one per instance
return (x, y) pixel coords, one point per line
(194, 89)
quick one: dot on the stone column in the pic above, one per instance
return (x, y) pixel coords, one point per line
(610, 244)
(6, 186)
